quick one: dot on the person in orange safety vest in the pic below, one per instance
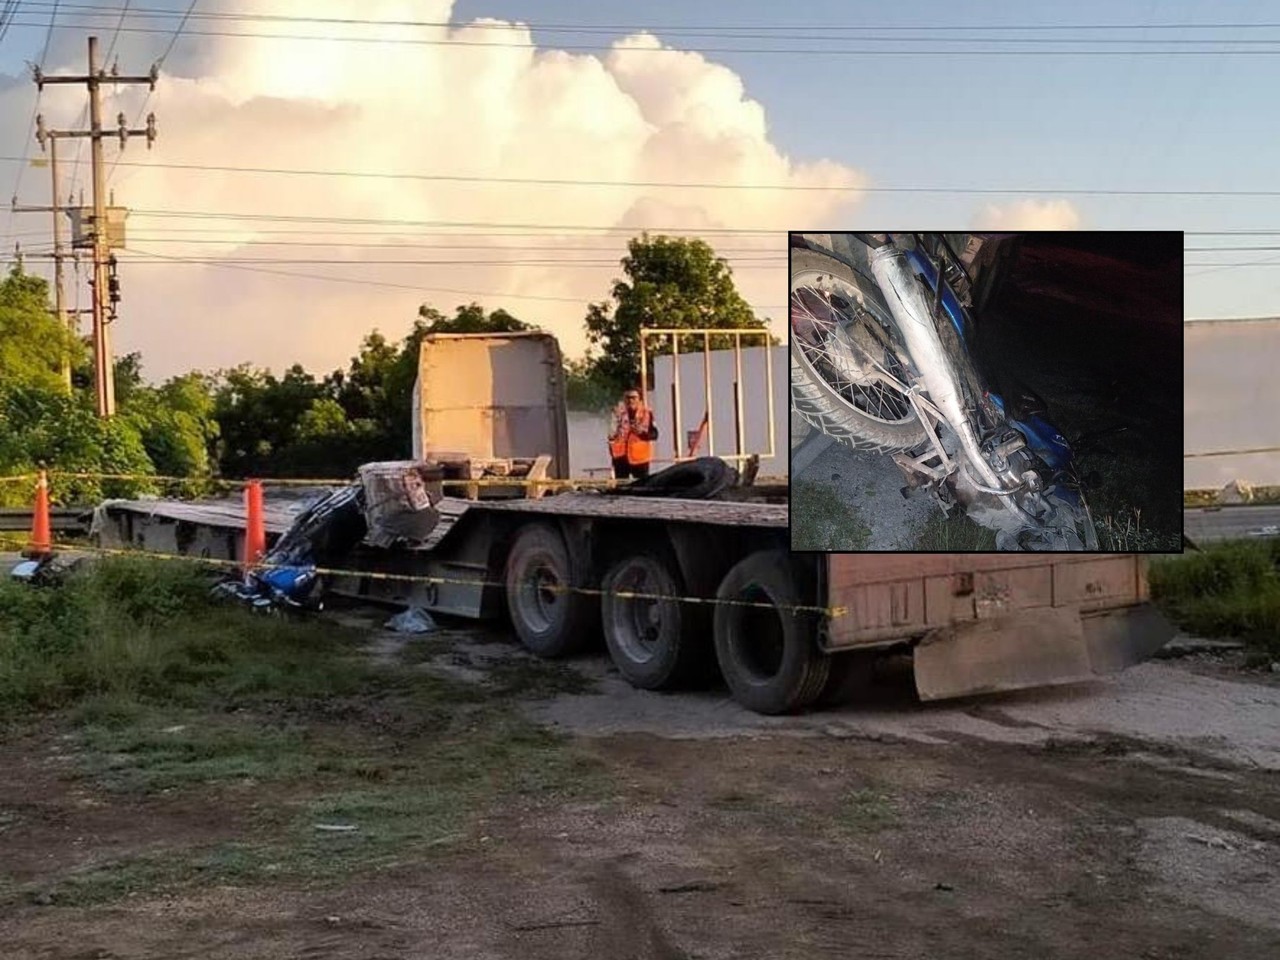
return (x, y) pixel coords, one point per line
(631, 443)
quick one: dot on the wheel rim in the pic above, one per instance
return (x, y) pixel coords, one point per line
(638, 621)
(759, 642)
(820, 308)
(541, 591)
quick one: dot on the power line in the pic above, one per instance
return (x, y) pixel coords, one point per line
(1265, 48)
(691, 185)
(35, 107)
(1232, 249)
(419, 288)
(716, 29)
(159, 63)
(540, 227)
(116, 33)
(772, 263)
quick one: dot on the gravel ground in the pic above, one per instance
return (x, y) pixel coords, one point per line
(1161, 703)
(871, 485)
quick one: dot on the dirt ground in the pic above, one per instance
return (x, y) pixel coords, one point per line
(1136, 818)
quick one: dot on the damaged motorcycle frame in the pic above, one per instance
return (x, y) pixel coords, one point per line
(894, 349)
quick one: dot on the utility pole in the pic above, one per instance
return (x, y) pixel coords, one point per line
(69, 320)
(103, 302)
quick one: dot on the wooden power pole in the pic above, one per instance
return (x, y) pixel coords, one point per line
(103, 309)
(69, 320)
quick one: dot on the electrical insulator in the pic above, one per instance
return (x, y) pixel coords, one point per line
(113, 283)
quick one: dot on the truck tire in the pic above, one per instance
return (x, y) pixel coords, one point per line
(822, 406)
(850, 680)
(655, 644)
(549, 620)
(768, 656)
(699, 479)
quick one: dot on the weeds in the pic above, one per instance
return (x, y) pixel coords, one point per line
(148, 632)
(945, 534)
(820, 520)
(166, 690)
(1229, 589)
(1123, 533)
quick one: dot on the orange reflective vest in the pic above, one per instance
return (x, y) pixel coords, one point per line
(629, 437)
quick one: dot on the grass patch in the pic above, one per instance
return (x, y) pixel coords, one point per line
(821, 521)
(865, 810)
(537, 679)
(147, 632)
(1228, 589)
(166, 690)
(957, 532)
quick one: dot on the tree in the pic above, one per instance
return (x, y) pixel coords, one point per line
(43, 425)
(471, 319)
(32, 342)
(672, 282)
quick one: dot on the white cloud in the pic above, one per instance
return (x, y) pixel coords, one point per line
(1030, 215)
(474, 104)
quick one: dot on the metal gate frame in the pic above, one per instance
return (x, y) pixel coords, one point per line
(707, 333)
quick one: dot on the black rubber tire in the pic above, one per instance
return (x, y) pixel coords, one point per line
(672, 655)
(699, 479)
(548, 622)
(821, 406)
(749, 639)
(850, 679)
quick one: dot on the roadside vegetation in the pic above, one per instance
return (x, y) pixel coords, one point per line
(249, 421)
(1226, 590)
(957, 532)
(330, 761)
(822, 521)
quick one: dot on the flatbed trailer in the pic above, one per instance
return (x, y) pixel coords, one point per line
(676, 587)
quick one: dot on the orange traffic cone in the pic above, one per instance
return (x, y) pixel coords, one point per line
(255, 531)
(41, 544)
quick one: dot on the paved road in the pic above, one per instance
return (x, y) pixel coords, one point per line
(1224, 523)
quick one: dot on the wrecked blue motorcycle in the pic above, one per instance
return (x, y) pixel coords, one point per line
(882, 360)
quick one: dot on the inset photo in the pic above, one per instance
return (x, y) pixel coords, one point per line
(957, 392)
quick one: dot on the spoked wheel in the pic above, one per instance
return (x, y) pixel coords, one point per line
(847, 374)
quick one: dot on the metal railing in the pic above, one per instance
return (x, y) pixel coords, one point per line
(707, 333)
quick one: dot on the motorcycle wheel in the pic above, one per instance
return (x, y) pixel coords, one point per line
(866, 416)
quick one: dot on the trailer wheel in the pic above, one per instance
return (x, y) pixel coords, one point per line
(549, 620)
(766, 653)
(653, 643)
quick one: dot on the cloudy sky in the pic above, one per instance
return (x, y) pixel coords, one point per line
(890, 121)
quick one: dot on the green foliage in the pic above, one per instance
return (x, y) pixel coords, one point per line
(672, 282)
(42, 425)
(32, 342)
(143, 631)
(1227, 590)
(586, 388)
(471, 319)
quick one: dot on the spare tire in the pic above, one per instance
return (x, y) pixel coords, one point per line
(549, 617)
(699, 479)
(765, 647)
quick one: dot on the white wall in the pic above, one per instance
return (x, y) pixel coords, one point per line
(755, 404)
(1231, 395)
(588, 444)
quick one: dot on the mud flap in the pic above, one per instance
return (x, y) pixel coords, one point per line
(1120, 638)
(1030, 649)
(1034, 648)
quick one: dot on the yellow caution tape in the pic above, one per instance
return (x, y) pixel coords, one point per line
(19, 478)
(489, 481)
(832, 612)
